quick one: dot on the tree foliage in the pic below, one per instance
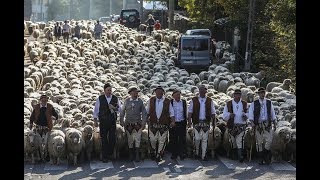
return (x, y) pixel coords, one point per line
(274, 32)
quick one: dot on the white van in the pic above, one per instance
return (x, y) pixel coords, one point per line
(194, 52)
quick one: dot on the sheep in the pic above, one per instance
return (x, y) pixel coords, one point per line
(121, 141)
(56, 146)
(144, 144)
(97, 146)
(281, 137)
(293, 123)
(87, 136)
(214, 140)
(189, 142)
(249, 141)
(226, 142)
(32, 143)
(247, 95)
(74, 144)
(290, 150)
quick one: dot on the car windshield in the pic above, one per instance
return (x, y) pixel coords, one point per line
(206, 33)
(126, 14)
(195, 44)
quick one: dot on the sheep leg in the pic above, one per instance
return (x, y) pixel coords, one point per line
(250, 152)
(89, 156)
(212, 154)
(115, 153)
(58, 160)
(32, 158)
(51, 159)
(74, 159)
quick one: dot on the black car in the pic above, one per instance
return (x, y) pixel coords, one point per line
(130, 18)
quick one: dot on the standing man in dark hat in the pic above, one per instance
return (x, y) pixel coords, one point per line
(236, 114)
(161, 118)
(135, 115)
(105, 111)
(178, 133)
(202, 113)
(42, 115)
(262, 116)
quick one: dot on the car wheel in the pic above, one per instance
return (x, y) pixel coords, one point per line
(132, 18)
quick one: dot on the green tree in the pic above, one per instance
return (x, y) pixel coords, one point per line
(57, 7)
(274, 40)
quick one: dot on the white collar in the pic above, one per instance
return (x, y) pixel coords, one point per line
(262, 101)
(133, 100)
(236, 102)
(160, 99)
(203, 98)
(177, 101)
(108, 97)
(44, 105)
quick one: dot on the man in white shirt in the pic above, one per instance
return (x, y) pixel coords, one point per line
(202, 112)
(105, 111)
(66, 31)
(262, 116)
(161, 118)
(236, 114)
(178, 133)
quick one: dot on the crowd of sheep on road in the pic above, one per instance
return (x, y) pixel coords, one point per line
(73, 74)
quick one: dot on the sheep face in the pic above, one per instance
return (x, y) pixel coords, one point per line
(58, 144)
(285, 134)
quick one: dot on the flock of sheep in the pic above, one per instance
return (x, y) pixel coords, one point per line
(73, 74)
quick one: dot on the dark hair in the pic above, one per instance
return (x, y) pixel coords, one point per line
(106, 85)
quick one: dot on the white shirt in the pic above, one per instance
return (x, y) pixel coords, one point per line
(43, 106)
(159, 107)
(202, 113)
(97, 106)
(178, 111)
(66, 27)
(263, 111)
(237, 110)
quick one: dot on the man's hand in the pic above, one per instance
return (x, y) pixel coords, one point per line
(189, 124)
(172, 124)
(95, 122)
(112, 107)
(232, 115)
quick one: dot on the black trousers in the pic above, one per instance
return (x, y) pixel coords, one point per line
(108, 136)
(178, 138)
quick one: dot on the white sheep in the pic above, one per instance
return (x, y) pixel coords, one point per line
(281, 137)
(56, 146)
(74, 144)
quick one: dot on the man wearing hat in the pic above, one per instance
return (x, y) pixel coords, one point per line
(262, 116)
(105, 111)
(202, 113)
(161, 118)
(150, 23)
(178, 133)
(135, 115)
(42, 115)
(236, 114)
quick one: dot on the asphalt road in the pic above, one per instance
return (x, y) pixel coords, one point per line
(221, 168)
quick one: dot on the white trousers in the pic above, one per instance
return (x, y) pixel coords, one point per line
(264, 137)
(160, 138)
(134, 137)
(203, 137)
(237, 141)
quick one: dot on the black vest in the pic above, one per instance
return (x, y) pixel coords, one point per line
(104, 110)
(184, 105)
(42, 117)
(256, 111)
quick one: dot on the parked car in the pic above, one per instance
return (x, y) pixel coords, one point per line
(194, 52)
(130, 18)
